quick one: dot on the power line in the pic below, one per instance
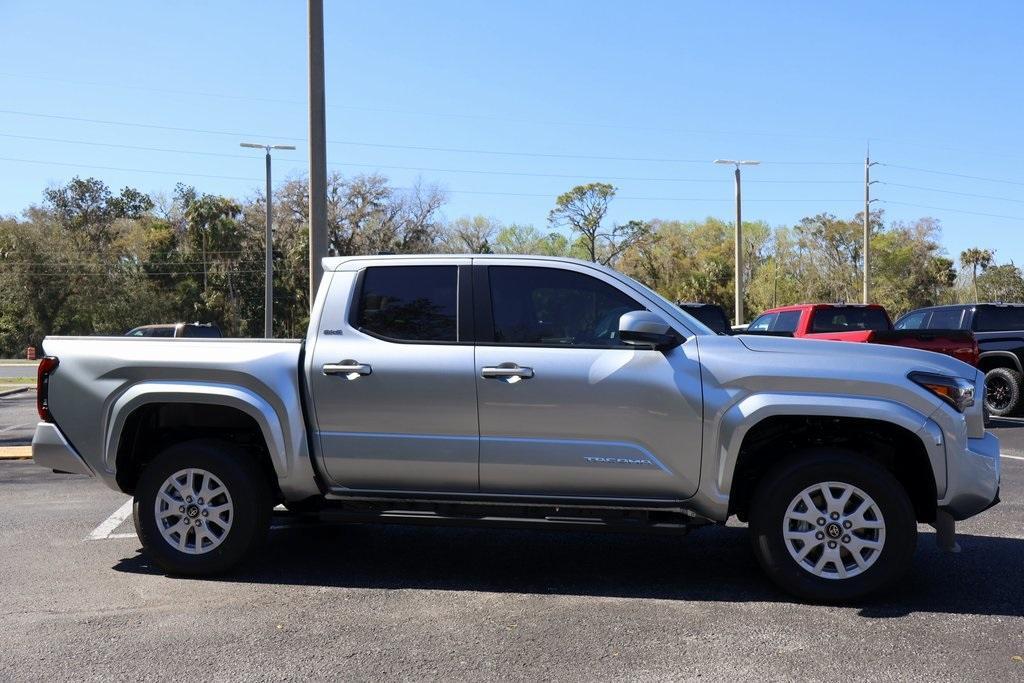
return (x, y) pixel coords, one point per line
(944, 208)
(407, 189)
(955, 175)
(129, 170)
(409, 112)
(953, 192)
(426, 168)
(455, 150)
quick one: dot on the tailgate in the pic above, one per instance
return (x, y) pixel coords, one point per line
(960, 344)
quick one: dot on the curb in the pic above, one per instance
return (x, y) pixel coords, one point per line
(15, 452)
(15, 390)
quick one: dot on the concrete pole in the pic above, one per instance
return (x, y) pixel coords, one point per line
(739, 253)
(317, 149)
(268, 294)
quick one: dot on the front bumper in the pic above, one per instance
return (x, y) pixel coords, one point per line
(972, 477)
(50, 449)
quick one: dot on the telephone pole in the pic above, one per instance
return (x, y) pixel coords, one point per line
(317, 149)
(738, 251)
(867, 226)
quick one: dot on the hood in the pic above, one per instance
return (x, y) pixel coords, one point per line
(840, 354)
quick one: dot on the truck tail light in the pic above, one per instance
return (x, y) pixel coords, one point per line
(46, 366)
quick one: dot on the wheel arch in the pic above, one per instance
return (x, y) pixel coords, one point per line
(150, 415)
(990, 360)
(763, 430)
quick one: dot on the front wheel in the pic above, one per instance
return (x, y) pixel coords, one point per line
(832, 526)
(202, 507)
(1002, 391)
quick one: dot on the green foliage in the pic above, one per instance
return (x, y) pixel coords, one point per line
(87, 261)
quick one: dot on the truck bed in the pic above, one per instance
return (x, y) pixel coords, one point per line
(92, 390)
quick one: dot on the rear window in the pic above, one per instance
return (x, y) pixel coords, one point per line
(409, 303)
(849, 319)
(712, 316)
(996, 318)
(201, 331)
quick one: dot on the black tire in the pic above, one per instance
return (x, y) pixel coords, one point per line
(1002, 391)
(781, 486)
(251, 500)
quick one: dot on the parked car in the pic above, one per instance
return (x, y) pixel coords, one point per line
(526, 391)
(196, 329)
(999, 329)
(712, 315)
(862, 323)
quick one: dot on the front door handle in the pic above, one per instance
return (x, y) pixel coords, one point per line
(350, 368)
(506, 371)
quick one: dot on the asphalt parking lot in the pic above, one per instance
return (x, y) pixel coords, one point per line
(360, 602)
(17, 417)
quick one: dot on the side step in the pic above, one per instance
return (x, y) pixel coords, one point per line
(486, 516)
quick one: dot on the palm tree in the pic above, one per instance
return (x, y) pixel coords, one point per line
(976, 258)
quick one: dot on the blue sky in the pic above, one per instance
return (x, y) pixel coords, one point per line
(545, 95)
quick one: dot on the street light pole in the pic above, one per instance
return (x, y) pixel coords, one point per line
(268, 288)
(738, 238)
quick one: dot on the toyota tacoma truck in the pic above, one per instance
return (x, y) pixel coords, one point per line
(525, 391)
(862, 323)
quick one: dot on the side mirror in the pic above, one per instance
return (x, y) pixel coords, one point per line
(644, 328)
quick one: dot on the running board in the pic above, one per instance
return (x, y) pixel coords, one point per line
(678, 524)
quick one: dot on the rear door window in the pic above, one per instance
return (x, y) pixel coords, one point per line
(786, 322)
(409, 303)
(946, 319)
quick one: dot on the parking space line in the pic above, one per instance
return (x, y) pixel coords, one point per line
(107, 526)
(1012, 457)
(105, 531)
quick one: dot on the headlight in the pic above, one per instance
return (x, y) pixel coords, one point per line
(955, 391)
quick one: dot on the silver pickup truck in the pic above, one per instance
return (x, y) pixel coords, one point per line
(501, 390)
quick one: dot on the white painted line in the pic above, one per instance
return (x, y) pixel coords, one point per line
(1012, 457)
(107, 526)
(128, 535)
(12, 427)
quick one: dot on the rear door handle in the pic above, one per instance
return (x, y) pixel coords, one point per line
(350, 368)
(509, 371)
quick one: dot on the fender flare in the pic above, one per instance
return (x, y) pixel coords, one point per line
(742, 416)
(228, 395)
(1001, 354)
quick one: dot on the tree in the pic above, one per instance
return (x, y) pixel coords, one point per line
(470, 235)
(975, 258)
(583, 209)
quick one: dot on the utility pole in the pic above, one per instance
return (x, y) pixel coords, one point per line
(738, 255)
(317, 149)
(867, 227)
(268, 286)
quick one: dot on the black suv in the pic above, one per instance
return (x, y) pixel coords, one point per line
(711, 315)
(999, 329)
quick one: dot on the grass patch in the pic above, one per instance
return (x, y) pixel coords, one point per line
(17, 380)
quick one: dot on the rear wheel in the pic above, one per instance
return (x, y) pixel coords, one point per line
(832, 526)
(202, 507)
(1002, 391)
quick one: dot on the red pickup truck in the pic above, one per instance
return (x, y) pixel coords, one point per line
(861, 323)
